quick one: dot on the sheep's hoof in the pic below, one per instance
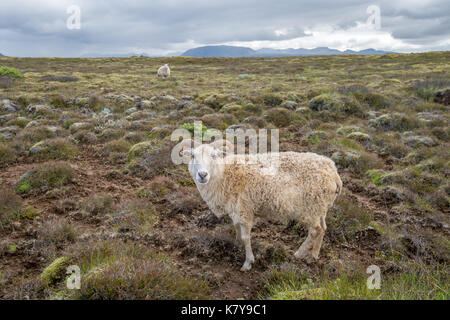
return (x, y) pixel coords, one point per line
(301, 254)
(305, 256)
(246, 267)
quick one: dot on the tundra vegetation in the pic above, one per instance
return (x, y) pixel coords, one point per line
(86, 176)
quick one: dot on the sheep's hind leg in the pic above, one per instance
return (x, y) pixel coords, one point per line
(319, 238)
(249, 258)
(309, 250)
(305, 250)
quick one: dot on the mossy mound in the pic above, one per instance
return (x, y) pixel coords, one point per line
(10, 72)
(55, 149)
(45, 177)
(282, 117)
(395, 121)
(7, 154)
(56, 271)
(217, 100)
(149, 158)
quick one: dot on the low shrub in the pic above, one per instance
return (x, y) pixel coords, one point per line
(45, 177)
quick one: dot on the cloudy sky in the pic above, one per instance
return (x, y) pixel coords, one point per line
(168, 27)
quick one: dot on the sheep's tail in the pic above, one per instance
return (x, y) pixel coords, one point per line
(338, 184)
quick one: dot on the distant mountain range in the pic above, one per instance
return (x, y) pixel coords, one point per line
(239, 52)
(113, 55)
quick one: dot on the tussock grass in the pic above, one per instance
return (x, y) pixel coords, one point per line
(421, 284)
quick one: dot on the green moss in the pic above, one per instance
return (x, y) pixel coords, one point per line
(190, 126)
(375, 176)
(10, 72)
(56, 271)
(24, 187)
(12, 248)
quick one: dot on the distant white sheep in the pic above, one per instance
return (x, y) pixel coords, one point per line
(164, 71)
(304, 187)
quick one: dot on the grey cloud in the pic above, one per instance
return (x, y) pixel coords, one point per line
(29, 28)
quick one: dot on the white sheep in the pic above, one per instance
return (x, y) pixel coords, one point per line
(304, 187)
(164, 71)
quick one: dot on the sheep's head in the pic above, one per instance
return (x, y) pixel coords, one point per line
(206, 160)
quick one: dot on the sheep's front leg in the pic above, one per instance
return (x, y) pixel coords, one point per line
(249, 258)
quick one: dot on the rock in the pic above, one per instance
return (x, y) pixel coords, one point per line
(56, 271)
(10, 107)
(38, 147)
(442, 97)
(186, 105)
(232, 129)
(131, 110)
(5, 118)
(8, 133)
